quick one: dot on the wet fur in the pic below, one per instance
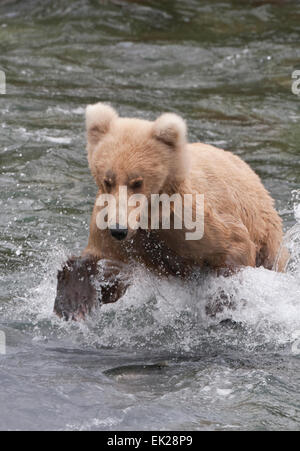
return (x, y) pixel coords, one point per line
(242, 227)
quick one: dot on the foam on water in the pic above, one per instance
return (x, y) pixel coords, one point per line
(171, 315)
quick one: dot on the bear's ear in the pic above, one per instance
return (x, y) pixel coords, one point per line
(171, 130)
(98, 120)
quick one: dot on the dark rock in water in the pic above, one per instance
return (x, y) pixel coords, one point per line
(83, 283)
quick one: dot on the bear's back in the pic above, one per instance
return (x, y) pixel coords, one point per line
(235, 190)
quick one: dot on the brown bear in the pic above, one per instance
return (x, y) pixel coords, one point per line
(241, 226)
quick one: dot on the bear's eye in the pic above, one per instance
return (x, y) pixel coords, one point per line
(107, 184)
(135, 184)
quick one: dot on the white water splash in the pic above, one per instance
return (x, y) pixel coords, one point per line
(170, 315)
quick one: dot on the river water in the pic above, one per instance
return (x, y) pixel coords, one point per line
(154, 360)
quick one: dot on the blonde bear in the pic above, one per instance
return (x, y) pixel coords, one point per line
(241, 225)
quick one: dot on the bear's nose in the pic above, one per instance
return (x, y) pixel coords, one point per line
(118, 232)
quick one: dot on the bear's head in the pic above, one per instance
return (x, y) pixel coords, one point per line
(137, 156)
